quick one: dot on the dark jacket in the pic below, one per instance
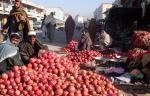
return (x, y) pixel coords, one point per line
(85, 42)
(27, 50)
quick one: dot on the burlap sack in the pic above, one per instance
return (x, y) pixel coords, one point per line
(1, 37)
(145, 59)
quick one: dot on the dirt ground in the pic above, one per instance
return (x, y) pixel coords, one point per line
(125, 90)
(134, 90)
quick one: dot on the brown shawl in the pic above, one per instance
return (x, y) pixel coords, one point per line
(17, 13)
(85, 42)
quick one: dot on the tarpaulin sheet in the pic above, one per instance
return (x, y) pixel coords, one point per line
(7, 50)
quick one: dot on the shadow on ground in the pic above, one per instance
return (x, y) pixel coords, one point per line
(135, 89)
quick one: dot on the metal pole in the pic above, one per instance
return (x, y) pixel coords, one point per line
(3, 7)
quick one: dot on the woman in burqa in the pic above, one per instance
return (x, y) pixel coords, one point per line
(69, 28)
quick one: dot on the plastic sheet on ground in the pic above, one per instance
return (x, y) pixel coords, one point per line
(7, 50)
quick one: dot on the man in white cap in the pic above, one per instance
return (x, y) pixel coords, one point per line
(30, 48)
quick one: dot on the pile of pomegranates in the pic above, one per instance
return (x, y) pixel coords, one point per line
(71, 47)
(135, 54)
(141, 39)
(51, 75)
(83, 56)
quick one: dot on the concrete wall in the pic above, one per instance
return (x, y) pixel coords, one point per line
(59, 13)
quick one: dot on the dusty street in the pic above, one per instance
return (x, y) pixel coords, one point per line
(59, 40)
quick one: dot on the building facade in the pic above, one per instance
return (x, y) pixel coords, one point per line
(117, 3)
(99, 13)
(79, 20)
(34, 11)
(5, 7)
(59, 13)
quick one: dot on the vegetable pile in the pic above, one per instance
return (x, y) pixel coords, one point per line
(135, 54)
(70, 47)
(50, 75)
(141, 39)
(111, 54)
(83, 56)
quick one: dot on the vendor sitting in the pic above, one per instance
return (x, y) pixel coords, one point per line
(137, 70)
(85, 41)
(9, 53)
(103, 39)
(30, 48)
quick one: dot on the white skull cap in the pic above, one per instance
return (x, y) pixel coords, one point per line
(32, 33)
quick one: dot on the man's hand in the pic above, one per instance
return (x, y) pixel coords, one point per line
(41, 52)
(22, 18)
(4, 31)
